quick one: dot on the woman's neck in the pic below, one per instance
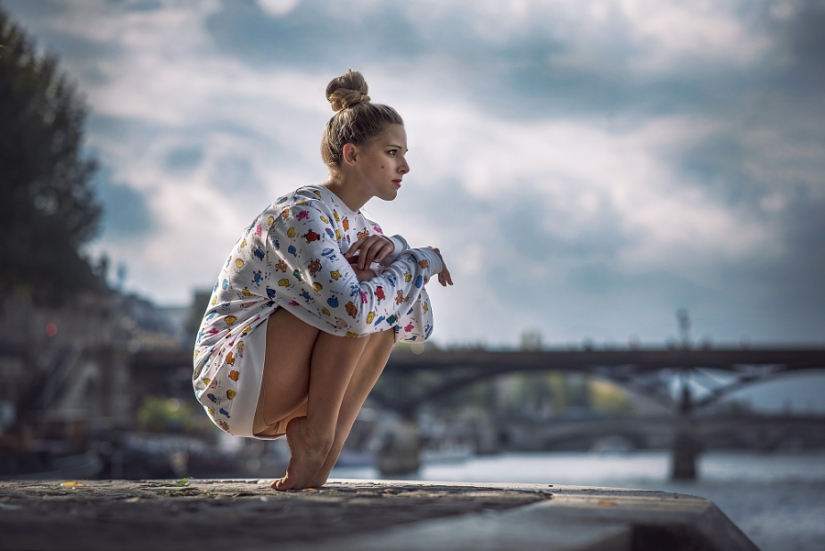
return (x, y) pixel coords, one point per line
(349, 192)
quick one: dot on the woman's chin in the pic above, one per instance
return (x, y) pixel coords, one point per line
(389, 195)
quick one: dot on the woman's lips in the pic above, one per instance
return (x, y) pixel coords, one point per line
(397, 182)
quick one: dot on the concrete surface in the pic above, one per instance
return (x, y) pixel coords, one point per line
(354, 514)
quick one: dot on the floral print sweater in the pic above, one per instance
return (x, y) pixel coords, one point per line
(291, 256)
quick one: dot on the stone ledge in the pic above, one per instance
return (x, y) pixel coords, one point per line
(355, 514)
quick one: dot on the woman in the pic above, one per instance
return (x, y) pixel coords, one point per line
(313, 297)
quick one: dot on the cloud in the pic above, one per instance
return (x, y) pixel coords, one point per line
(588, 167)
(184, 158)
(278, 8)
(125, 212)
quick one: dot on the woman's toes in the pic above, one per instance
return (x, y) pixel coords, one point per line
(309, 451)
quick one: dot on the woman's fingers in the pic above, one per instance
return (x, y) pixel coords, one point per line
(387, 247)
(449, 277)
(375, 247)
(364, 275)
(444, 277)
(374, 250)
(353, 249)
(361, 274)
(370, 249)
(364, 254)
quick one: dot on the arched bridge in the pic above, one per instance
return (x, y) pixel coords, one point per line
(640, 370)
(719, 431)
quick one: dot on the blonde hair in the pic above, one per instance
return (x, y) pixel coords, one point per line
(356, 121)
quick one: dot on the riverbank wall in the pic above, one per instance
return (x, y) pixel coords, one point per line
(355, 514)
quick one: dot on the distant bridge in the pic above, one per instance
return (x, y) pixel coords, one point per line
(744, 431)
(648, 372)
(638, 370)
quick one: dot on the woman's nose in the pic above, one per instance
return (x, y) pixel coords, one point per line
(404, 168)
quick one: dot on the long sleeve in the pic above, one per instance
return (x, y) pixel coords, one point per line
(400, 246)
(314, 281)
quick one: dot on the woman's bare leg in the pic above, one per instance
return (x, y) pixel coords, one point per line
(303, 363)
(369, 368)
(285, 382)
(310, 438)
(316, 384)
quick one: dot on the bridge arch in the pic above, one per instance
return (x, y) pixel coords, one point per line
(634, 370)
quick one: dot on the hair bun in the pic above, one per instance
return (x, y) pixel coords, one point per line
(347, 91)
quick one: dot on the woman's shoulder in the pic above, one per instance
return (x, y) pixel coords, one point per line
(305, 205)
(306, 196)
(286, 204)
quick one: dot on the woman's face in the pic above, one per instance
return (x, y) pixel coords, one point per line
(381, 165)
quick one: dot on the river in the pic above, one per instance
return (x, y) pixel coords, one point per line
(778, 500)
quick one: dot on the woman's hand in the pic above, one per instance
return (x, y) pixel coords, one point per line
(444, 276)
(370, 249)
(364, 274)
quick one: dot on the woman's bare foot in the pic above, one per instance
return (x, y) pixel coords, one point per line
(322, 475)
(309, 452)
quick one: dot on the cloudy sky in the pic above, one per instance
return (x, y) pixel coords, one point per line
(587, 167)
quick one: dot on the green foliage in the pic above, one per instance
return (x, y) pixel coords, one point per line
(532, 394)
(161, 414)
(48, 208)
(605, 396)
(479, 396)
(540, 393)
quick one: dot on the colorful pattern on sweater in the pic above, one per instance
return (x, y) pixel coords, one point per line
(291, 256)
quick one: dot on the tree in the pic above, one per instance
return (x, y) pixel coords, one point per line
(48, 209)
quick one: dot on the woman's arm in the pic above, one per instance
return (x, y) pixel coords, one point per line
(382, 248)
(320, 287)
(385, 250)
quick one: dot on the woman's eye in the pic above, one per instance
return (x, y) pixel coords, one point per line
(392, 152)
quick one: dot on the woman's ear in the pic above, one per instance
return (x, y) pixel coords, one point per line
(350, 154)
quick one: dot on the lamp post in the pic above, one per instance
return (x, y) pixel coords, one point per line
(686, 446)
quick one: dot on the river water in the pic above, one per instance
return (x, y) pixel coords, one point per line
(778, 500)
